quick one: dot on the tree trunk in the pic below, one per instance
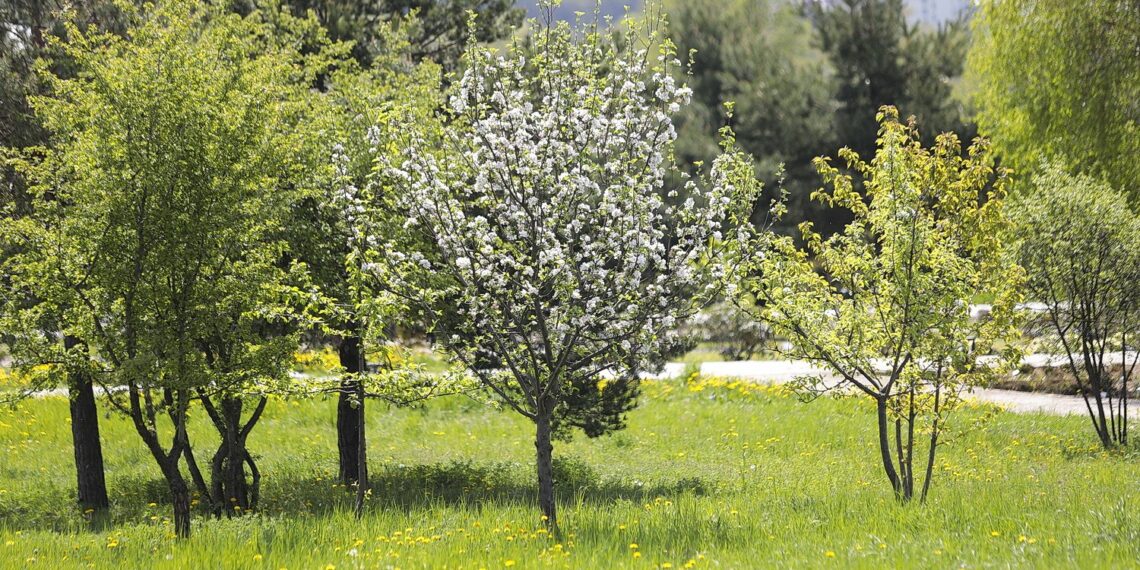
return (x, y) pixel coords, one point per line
(180, 497)
(236, 489)
(348, 411)
(361, 454)
(930, 461)
(230, 489)
(89, 475)
(885, 446)
(545, 461)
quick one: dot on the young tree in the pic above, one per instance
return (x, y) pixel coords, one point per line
(1080, 245)
(1060, 81)
(548, 214)
(355, 127)
(888, 309)
(149, 234)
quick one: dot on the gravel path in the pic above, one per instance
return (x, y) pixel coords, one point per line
(780, 371)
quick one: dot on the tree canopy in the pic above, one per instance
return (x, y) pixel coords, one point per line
(884, 304)
(547, 209)
(1058, 82)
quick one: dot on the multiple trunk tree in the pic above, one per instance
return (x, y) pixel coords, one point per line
(885, 303)
(1080, 246)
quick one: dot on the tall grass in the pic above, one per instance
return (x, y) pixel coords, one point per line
(708, 474)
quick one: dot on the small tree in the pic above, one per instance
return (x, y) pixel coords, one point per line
(547, 211)
(351, 122)
(885, 303)
(1080, 245)
(354, 292)
(149, 237)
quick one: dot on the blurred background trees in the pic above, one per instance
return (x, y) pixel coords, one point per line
(1054, 81)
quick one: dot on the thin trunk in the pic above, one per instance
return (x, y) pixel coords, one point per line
(545, 461)
(1124, 371)
(933, 441)
(89, 475)
(349, 411)
(255, 483)
(180, 497)
(1102, 422)
(198, 479)
(167, 462)
(885, 444)
(910, 446)
(361, 454)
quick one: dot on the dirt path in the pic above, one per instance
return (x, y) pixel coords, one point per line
(780, 371)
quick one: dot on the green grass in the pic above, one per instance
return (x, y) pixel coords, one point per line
(722, 477)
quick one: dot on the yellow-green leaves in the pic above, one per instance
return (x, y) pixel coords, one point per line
(885, 304)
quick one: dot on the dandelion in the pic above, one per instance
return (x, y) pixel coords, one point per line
(509, 563)
(257, 557)
(829, 554)
(995, 533)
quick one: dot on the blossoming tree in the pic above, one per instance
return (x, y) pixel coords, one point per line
(885, 304)
(570, 259)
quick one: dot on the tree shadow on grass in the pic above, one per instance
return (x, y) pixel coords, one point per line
(465, 484)
(458, 484)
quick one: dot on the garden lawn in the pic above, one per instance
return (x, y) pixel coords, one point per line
(712, 474)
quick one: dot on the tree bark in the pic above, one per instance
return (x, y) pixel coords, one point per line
(545, 463)
(236, 489)
(348, 411)
(361, 454)
(885, 446)
(89, 473)
(180, 497)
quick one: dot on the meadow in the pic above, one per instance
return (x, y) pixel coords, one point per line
(709, 473)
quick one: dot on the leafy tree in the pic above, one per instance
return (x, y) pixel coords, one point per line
(357, 124)
(438, 32)
(1060, 81)
(546, 210)
(763, 57)
(1080, 245)
(25, 30)
(149, 231)
(885, 304)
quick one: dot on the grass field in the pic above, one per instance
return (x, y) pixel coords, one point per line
(709, 475)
